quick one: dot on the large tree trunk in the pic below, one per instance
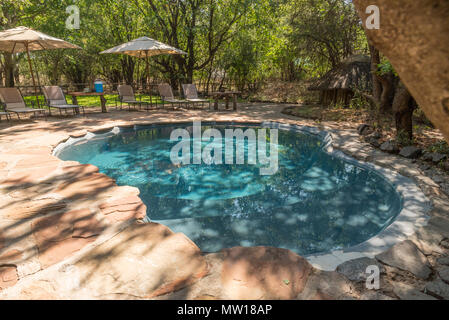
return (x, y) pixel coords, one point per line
(403, 107)
(375, 61)
(414, 36)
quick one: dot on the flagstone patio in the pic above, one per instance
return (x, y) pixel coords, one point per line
(69, 232)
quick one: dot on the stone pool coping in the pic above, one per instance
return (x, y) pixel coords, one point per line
(415, 205)
(66, 188)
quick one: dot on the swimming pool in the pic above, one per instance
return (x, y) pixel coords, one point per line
(314, 202)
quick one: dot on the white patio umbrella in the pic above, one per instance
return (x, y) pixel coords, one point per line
(144, 47)
(23, 39)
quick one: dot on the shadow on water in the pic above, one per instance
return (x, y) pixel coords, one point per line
(314, 203)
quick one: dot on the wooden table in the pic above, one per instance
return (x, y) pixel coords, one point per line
(75, 96)
(227, 95)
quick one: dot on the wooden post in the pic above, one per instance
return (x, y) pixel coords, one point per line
(32, 75)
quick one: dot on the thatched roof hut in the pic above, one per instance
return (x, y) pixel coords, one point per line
(338, 85)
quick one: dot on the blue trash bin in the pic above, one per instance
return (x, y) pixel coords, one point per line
(98, 84)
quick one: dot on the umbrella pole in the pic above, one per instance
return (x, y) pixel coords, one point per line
(147, 72)
(32, 76)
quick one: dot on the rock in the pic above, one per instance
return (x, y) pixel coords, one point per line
(439, 179)
(427, 156)
(390, 146)
(59, 236)
(355, 270)
(443, 260)
(375, 143)
(364, 129)
(143, 261)
(32, 208)
(321, 296)
(374, 295)
(263, 273)
(443, 272)
(445, 188)
(122, 209)
(445, 243)
(331, 284)
(446, 165)
(2, 242)
(440, 225)
(8, 277)
(438, 289)
(428, 240)
(406, 256)
(85, 186)
(407, 292)
(39, 290)
(373, 139)
(438, 157)
(410, 152)
(11, 257)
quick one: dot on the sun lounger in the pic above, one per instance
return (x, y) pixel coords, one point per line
(55, 98)
(126, 96)
(191, 95)
(166, 93)
(14, 103)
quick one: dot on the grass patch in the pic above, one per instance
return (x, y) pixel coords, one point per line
(94, 101)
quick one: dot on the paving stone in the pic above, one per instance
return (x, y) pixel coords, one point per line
(79, 170)
(52, 253)
(143, 261)
(443, 260)
(10, 257)
(321, 296)
(407, 292)
(438, 288)
(18, 210)
(263, 273)
(355, 270)
(8, 277)
(440, 225)
(38, 290)
(428, 240)
(2, 242)
(59, 236)
(332, 284)
(439, 179)
(124, 209)
(406, 256)
(375, 295)
(85, 187)
(42, 160)
(443, 272)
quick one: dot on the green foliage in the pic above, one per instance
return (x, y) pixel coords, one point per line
(386, 67)
(324, 32)
(403, 138)
(440, 147)
(239, 41)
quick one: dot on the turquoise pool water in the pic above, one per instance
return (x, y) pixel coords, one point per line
(314, 203)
